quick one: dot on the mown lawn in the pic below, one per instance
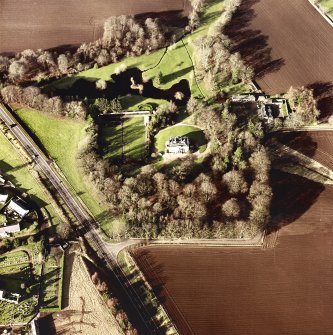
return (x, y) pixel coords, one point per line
(16, 170)
(328, 6)
(128, 138)
(195, 135)
(52, 282)
(61, 138)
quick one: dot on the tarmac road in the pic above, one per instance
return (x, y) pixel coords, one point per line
(83, 218)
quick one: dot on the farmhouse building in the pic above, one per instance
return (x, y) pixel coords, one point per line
(9, 229)
(9, 297)
(268, 108)
(16, 206)
(177, 145)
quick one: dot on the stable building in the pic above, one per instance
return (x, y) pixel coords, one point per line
(177, 145)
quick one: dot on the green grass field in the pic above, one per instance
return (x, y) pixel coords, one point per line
(130, 137)
(61, 138)
(52, 282)
(15, 169)
(328, 6)
(195, 135)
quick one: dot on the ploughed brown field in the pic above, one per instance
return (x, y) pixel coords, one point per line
(252, 291)
(288, 43)
(43, 24)
(317, 145)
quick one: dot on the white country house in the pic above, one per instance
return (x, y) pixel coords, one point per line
(177, 145)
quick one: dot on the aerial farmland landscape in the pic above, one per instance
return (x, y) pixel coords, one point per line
(166, 167)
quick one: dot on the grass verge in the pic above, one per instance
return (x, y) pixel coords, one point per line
(61, 138)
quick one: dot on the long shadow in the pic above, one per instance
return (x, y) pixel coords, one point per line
(155, 274)
(173, 18)
(299, 141)
(120, 85)
(69, 259)
(323, 92)
(252, 44)
(177, 74)
(292, 197)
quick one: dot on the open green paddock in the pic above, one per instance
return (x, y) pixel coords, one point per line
(124, 137)
(62, 138)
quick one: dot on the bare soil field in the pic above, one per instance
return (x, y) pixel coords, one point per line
(317, 145)
(288, 43)
(44, 24)
(254, 291)
(86, 313)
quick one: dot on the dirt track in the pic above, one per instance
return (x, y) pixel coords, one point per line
(46, 24)
(288, 43)
(285, 290)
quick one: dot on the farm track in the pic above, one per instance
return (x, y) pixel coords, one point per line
(283, 288)
(45, 24)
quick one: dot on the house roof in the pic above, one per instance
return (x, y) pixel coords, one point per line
(177, 141)
(3, 198)
(16, 207)
(14, 228)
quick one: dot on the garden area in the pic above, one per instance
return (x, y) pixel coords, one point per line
(126, 136)
(52, 280)
(18, 275)
(327, 5)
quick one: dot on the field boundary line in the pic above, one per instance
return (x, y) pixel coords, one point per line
(256, 241)
(131, 259)
(324, 15)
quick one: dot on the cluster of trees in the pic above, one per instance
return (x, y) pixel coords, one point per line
(113, 304)
(215, 64)
(32, 97)
(8, 244)
(231, 198)
(194, 16)
(304, 107)
(123, 36)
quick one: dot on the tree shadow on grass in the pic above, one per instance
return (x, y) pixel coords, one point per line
(175, 75)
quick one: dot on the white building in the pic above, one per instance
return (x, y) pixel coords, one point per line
(15, 206)
(3, 198)
(177, 145)
(10, 229)
(2, 180)
(9, 297)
